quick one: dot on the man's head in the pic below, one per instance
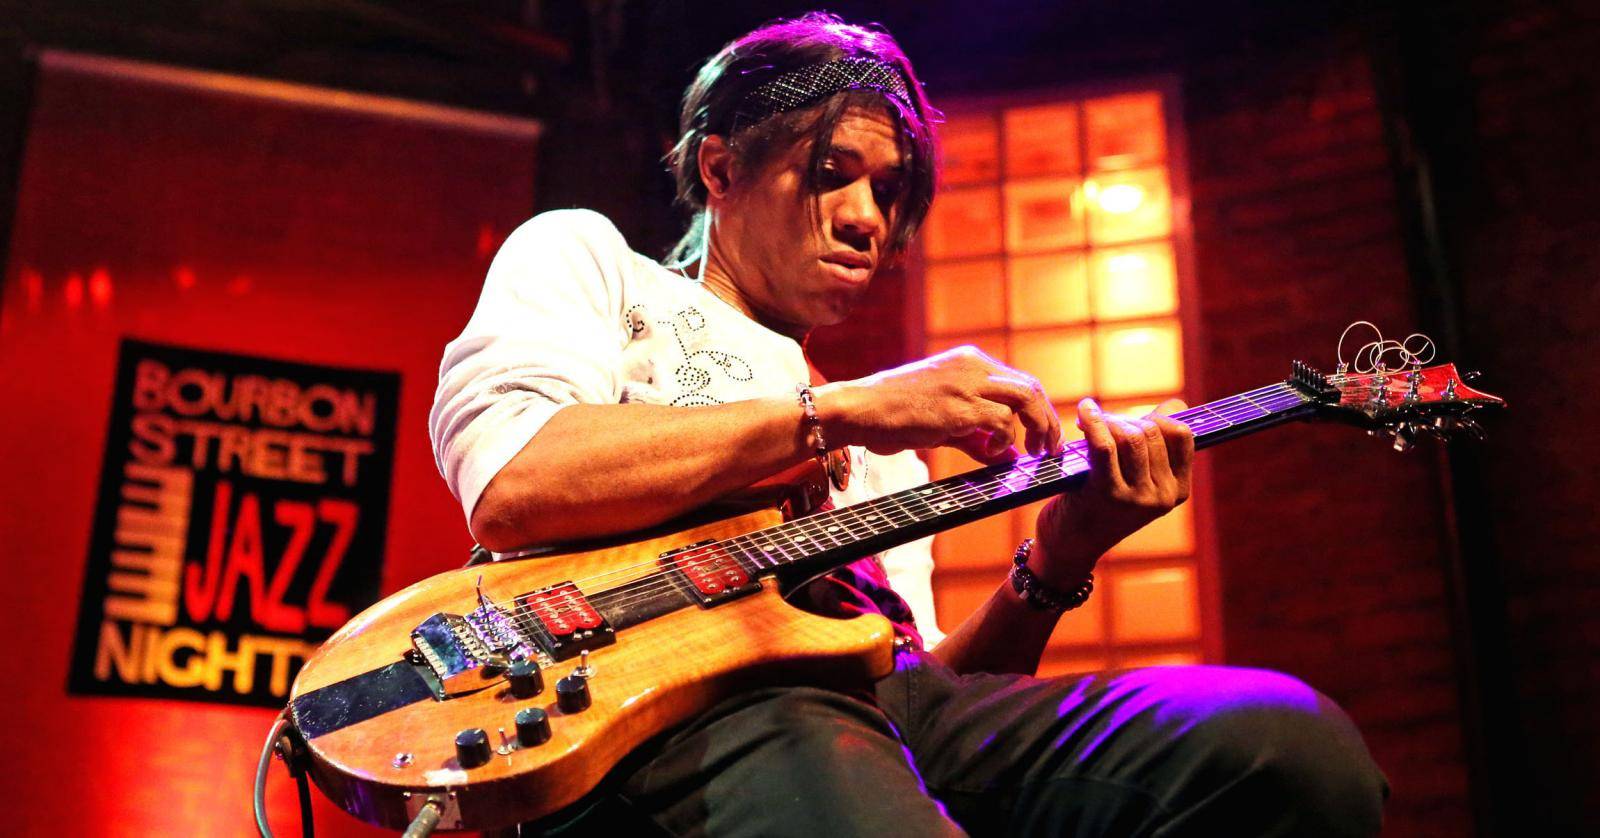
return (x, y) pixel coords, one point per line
(808, 145)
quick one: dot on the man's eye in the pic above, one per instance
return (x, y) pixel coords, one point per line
(831, 178)
(886, 193)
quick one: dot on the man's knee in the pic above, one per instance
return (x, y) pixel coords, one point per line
(1271, 737)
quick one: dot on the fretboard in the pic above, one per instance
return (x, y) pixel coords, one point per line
(822, 540)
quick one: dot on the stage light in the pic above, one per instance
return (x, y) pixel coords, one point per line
(73, 291)
(100, 287)
(184, 277)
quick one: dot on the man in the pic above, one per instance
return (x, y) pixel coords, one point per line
(596, 392)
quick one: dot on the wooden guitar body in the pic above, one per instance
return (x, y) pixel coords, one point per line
(658, 674)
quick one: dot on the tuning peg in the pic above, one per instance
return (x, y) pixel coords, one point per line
(1471, 376)
(1471, 427)
(1404, 438)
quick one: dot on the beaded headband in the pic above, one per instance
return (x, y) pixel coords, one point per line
(798, 88)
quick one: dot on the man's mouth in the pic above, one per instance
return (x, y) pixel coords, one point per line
(851, 267)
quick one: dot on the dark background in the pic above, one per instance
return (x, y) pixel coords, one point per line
(1421, 164)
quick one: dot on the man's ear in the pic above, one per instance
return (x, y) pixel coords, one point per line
(716, 165)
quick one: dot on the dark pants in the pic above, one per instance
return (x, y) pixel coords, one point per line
(1154, 752)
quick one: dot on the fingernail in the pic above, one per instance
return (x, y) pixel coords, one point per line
(1090, 407)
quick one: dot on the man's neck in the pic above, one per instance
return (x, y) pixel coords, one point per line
(723, 286)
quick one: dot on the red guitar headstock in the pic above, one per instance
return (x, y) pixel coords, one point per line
(1404, 403)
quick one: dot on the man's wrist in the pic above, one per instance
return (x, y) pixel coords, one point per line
(1039, 595)
(835, 402)
(1060, 567)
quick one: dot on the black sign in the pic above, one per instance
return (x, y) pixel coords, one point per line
(240, 520)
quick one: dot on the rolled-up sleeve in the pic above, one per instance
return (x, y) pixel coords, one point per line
(548, 332)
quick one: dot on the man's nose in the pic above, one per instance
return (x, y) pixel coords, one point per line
(857, 215)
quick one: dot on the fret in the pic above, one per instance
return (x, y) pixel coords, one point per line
(858, 522)
(1287, 400)
(824, 527)
(746, 553)
(1215, 415)
(857, 529)
(912, 499)
(895, 511)
(943, 500)
(874, 519)
(768, 541)
(1074, 460)
(796, 538)
(1255, 404)
(1019, 478)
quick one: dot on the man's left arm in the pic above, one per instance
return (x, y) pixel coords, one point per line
(1139, 470)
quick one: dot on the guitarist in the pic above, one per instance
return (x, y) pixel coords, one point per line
(596, 391)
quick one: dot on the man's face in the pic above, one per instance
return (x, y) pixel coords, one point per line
(795, 272)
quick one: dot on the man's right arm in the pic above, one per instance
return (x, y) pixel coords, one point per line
(602, 469)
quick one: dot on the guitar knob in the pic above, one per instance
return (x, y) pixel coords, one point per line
(526, 680)
(472, 747)
(533, 727)
(572, 694)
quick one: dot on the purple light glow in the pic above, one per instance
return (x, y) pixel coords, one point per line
(1175, 699)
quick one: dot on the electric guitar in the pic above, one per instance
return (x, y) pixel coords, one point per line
(499, 694)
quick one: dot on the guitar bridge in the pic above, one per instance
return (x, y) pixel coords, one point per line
(456, 655)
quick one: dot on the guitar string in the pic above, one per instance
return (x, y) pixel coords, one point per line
(1033, 469)
(744, 554)
(811, 527)
(814, 528)
(818, 530)
(1239, 409)
(650, 585)
(967, 491)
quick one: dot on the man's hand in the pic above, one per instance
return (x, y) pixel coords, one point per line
(1138, 471)
(960, 398)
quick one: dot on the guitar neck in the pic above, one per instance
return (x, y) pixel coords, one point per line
(836, 537)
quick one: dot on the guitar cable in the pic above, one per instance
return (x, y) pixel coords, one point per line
(283, 741)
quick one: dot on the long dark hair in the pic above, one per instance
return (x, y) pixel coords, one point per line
(720, 87)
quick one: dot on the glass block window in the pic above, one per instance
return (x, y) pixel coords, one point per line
(1053, 247)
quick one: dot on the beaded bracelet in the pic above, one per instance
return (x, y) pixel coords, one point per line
(808, 403)
(1037, 594)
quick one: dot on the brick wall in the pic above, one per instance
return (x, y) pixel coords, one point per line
(1329, 543)
(1529, 262)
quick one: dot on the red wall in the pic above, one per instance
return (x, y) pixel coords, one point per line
(260, 220)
